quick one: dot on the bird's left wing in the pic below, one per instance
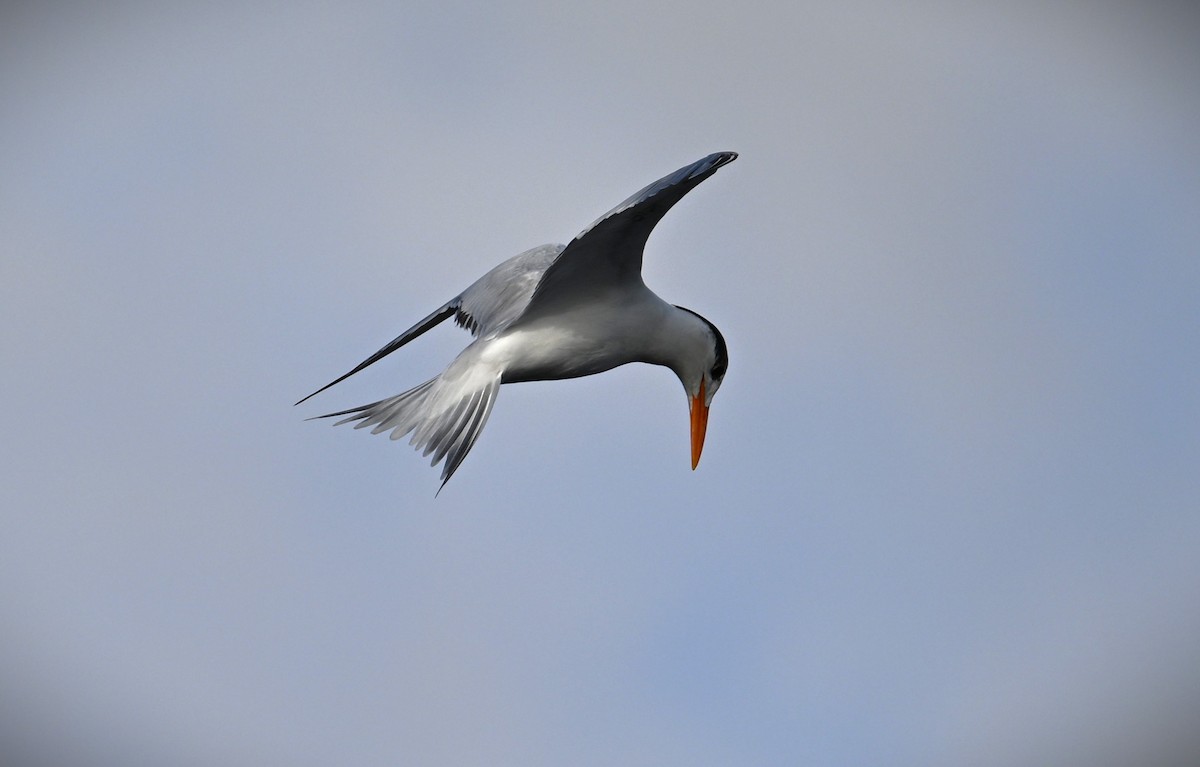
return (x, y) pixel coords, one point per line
(490, 304)
(608, 254)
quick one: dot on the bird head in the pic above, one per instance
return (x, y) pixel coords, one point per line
(701, 371)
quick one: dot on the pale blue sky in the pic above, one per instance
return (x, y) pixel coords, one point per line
(948, 507)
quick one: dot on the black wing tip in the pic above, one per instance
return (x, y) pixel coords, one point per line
(702, 168)
(714, 161)
(306, 399)
(326, 386)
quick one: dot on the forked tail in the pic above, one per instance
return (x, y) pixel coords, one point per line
(443, 421)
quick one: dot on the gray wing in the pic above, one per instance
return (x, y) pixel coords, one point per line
(499, 297)
(608, 254)
(490, 304)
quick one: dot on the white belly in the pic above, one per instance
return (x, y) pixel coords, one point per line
(592, 340)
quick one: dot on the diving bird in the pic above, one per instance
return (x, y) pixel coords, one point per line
(557, 312)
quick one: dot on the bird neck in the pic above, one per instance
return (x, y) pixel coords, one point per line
(685, 343)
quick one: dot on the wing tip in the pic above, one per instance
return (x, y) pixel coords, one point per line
(691, 175)
(722, 158)
(711, 163)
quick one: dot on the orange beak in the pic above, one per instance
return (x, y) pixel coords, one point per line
(699, 425)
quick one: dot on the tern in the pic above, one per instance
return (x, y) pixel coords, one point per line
(556, 312)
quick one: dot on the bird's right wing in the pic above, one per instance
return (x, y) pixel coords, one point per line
(607, 256)
(490, 304)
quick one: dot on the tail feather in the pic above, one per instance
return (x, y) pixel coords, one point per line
(440, 425)
(461, 443)
(439, 442)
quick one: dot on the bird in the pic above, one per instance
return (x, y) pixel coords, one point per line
(556, 312)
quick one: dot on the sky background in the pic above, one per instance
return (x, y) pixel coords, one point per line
(949, 507)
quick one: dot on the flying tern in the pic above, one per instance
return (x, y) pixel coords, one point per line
(553, 312)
